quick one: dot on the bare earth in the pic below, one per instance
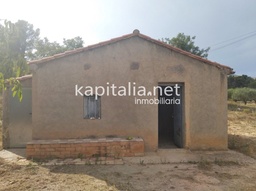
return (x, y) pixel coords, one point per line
(242, 128)
(202, 175)
(184, 170)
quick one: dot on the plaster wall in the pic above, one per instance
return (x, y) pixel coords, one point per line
(58, 113)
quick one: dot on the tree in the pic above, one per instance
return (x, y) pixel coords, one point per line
(252, 95)
(185, 42)
(44, 48)
(20, 42)
(230, 93)
(252, 84)
(71, 44)
(16, 43)
(241, 81)
(243, 94)
(27, 37)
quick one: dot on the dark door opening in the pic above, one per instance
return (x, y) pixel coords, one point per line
(170, 116)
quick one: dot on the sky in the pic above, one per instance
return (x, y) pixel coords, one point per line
(215, 23)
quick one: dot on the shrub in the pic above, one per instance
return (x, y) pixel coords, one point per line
(242, 94)
(252, 95)
(230, 93)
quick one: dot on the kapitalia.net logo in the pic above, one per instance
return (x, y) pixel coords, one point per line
(167, 94)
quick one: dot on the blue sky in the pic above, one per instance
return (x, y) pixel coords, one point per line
(212, 22)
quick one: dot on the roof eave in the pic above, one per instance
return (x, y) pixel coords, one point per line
(227, 69)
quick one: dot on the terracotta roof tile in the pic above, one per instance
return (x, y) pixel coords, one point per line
(227, 69)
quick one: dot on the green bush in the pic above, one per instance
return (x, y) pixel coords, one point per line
(252, 95)
(230, 93)
(242, 94)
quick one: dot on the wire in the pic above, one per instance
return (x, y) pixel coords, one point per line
(240, 38)
(232, 38)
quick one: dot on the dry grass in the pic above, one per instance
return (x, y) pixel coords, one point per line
(242, 127)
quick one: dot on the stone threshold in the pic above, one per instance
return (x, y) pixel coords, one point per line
(88, 161)
(91, 140)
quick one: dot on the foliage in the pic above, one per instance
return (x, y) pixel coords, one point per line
(71, 44)
(230, 93)
(20, 42)
(16, 87)
(12, 82)
(185, 42)
(252, 84)
(252, 95)
(242, 94)
(241, 81)
(44, 48)
(16, 42)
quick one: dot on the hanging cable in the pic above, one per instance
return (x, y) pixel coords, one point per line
(234, 38)
(239, 38)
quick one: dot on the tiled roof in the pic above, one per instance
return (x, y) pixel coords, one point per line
(136, 32)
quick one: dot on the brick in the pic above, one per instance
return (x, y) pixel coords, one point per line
(38, 153)
(60, 149)
(44, 146)
(30, 149)
(79, 145)
(86, 145)
(92, 148)
(124, 144)
(128, 154)
(54, 145)
(37, 146)
(137, 148)
(29, 146)
(43, 153)
(70, 149)
(64, 145)
(64, 153)
(79, 149)
(50, 149)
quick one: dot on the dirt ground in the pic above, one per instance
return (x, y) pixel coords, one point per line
(203, 175)
(225, 174)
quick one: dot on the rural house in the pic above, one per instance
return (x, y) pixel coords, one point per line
(126, 95)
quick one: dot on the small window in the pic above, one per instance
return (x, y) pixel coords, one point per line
(92, 107)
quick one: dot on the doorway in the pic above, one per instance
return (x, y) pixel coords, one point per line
(170, 115)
